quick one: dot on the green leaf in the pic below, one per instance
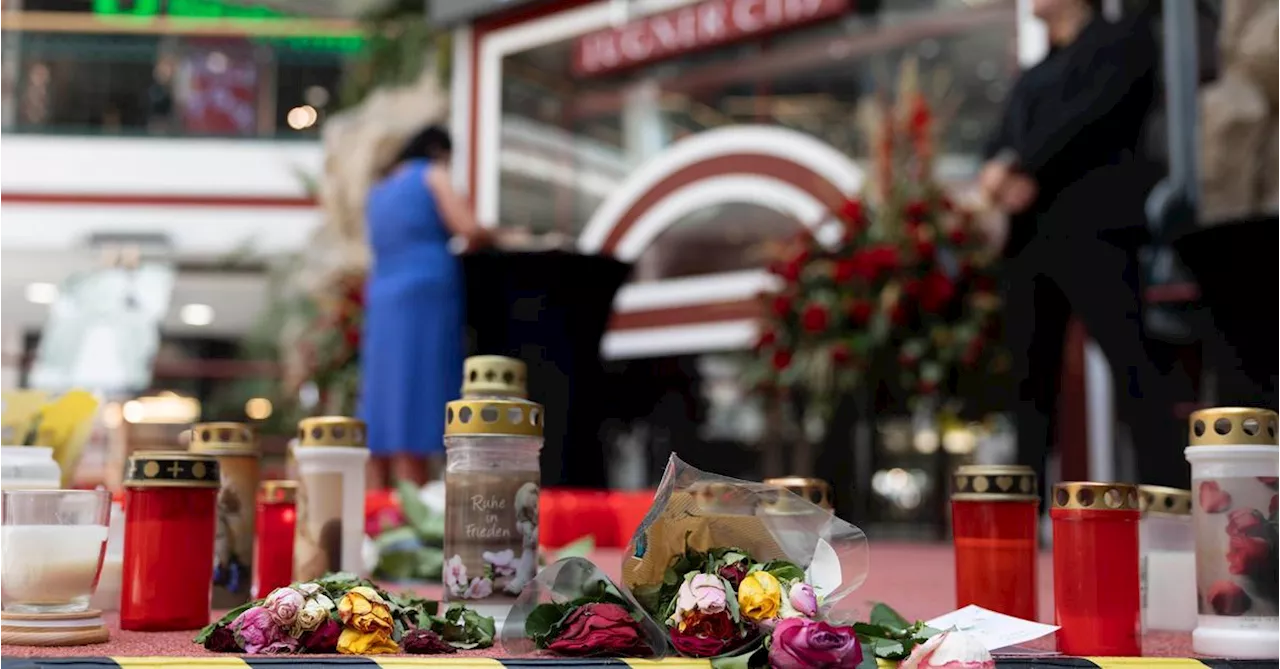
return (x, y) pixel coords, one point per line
(784, 571)
(869, 630)
(889, 649)
(461, 625)
(731, 602)
(417, 513)
(542, 620)
(396, 537)
(868, 657)
(884, 615)
(581, 547)
(743, 658)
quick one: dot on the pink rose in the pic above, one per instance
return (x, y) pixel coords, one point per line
(257, 631)
(803, 599)
(284, 604)
(950, 650)
(1248, 555)
(800, 643)
(1213, 499)
(1228, 599)
(703, 592)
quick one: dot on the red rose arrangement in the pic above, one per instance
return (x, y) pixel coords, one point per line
(907, 276)
(588, 616)
(724, 604)
(327, 350)
(1252, 540)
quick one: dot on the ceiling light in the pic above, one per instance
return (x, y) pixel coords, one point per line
(197, 315)
(42, 293)
(301, 118)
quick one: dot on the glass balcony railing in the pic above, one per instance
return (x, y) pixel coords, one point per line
(169, 85)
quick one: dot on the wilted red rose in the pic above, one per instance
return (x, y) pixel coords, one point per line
(800, 643)
(1245, 523)
(815, 318)
(936, 291)
(781, 359)
(1248, 555)
(706, 634)
(600, 628)
(1213, 499)
(781, 305)
(860, 312)
(916, 210)
(841, 354)
(1228, 599)
(734, 573)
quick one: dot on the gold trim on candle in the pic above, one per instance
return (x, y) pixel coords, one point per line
(1094, 496)
(172, 469)
(331, 431)
(274, 491)
(224, 439)
(1233, 426)
(1157, 499)
(494, 375)
(994, 483)
(493, 417)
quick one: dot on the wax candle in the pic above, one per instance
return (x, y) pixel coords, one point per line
(1235, 471)
(1168, 546)
(170, 514)
(491, 500)
(1096, 586)
(236, 448)
(995, 517)
(276, 525)
(330, 454)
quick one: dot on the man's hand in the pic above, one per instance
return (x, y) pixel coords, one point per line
(1018, 194)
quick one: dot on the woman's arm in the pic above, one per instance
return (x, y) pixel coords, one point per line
(453, 209)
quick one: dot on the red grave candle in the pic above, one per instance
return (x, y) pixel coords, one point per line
(1096, 588)
(170, 519)
(273, 550)
(994, 518)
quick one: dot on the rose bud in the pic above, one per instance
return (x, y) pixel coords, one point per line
(425, 642)
(1228, 599)
(950, 650)
(803, 599)
(1213, 499)
(800, 643)
(600, 628)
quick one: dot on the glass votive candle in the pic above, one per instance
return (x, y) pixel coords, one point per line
(52, 549)
(995, 520)
(276, 526)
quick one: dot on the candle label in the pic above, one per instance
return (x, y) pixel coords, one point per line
(491, 533)
(1236, 548)
(233, 541)
(317, 549)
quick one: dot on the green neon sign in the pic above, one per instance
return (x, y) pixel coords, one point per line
(214, 9)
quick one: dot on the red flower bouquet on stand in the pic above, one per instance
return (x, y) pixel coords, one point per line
(899, 273)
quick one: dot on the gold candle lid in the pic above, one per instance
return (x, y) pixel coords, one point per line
(1166, 501)
(1233, 426)
(223, 439)
(278, 491)
(494, 375)
(493, 417)
(1092, 496)
(172, 469)
(994, 483)
(331, 431)
(814, 490)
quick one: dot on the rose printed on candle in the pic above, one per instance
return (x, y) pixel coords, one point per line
(1237, 570)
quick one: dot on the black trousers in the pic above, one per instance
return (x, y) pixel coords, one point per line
(1097, 279)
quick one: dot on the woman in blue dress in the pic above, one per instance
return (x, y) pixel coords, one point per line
(411, 352)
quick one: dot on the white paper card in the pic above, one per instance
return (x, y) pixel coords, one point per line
(993, 630)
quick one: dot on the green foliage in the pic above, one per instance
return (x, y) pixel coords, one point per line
(400, 43)
(888, 635)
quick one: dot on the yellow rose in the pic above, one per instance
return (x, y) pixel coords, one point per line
(364, 611)
(759, 596)
(353, 642)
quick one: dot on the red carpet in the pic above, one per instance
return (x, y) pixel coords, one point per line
(916, 579)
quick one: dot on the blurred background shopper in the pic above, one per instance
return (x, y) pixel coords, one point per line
(1063, 166)
(412, 349)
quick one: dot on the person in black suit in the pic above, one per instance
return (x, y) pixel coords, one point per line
(1064, 166)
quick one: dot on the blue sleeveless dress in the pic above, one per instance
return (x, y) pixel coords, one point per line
(411, 351)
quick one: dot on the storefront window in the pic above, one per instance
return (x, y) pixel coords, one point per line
(568, 140)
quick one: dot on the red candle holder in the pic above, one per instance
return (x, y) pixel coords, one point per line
(994, 520)
(1096, 583)
(170, 519)
(276, 523)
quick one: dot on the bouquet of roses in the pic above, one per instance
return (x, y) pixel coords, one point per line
(748, 574)
(572, 608)
(342, 613)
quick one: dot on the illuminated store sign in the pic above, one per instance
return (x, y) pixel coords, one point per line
(696, 27)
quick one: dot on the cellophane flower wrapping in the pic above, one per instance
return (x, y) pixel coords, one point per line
(701, 511)
(568, 584)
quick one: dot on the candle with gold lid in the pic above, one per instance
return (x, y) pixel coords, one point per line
(1166, 538)
(331, 455)
(170, 514)
(492, 484)
(1096, 585)
(494, 376)
(236, 448)
(994, 519)
(1234, 473)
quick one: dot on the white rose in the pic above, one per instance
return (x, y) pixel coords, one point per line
(312, 615)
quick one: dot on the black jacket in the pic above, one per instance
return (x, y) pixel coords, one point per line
(1073, 122)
